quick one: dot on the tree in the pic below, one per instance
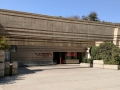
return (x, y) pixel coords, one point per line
(74, 17)
(85, 18)
(90, 17)
(93, 16)
(3, 43)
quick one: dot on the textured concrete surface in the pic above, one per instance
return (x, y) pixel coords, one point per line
(2, 66)
(1, 73)
(62, 77)
(98, 64)
(111, 67)
(85, 64)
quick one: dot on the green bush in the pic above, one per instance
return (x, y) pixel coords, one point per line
(3, 43)
(86, 60)
(90, 61)
(107, 52)
(94, 53)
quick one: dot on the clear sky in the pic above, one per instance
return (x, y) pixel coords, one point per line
(107, 10)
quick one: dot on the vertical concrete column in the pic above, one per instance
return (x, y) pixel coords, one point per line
(118, 38)
(119, 43)
(88, 53)
(115, 38)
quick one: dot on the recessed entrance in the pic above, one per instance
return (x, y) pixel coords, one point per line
(67, 57)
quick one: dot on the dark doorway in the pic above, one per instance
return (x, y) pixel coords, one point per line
(67, 60)
(57, 55)
(80, 56)
(63, 57)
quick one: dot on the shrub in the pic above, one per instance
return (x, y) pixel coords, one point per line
(107, 52)
(94, 53)
(86, 60)
(90, 61)
(3, 43)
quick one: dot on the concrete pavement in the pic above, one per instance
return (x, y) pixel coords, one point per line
(62, 77)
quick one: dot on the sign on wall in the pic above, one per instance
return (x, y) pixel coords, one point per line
(43, 54)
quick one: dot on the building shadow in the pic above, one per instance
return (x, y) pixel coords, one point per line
(21, 72)
(25, 70)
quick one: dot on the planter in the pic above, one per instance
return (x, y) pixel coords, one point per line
(86, 65)
(2, 67)
(14, 68)
(7, 68)
(111, 66)
(1, 73)
(98, 64)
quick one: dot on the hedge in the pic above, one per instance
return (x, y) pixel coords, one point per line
(107, 52)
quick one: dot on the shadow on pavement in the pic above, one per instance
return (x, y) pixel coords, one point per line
(21, 72)
(25, 70)
(65, 68)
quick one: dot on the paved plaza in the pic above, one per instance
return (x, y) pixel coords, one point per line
(62, 77)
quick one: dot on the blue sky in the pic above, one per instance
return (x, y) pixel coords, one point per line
(107, 10)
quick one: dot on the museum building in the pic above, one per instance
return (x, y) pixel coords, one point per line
(40, 39)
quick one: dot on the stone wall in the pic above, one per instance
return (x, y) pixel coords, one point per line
(2, 56)
(2, 59)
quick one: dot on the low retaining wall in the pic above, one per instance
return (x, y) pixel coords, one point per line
(7, 68)
(111, 67)
(86, 65)
(14, 68)
(98, 64)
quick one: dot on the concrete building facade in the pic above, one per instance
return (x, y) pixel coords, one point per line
(42, 39)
